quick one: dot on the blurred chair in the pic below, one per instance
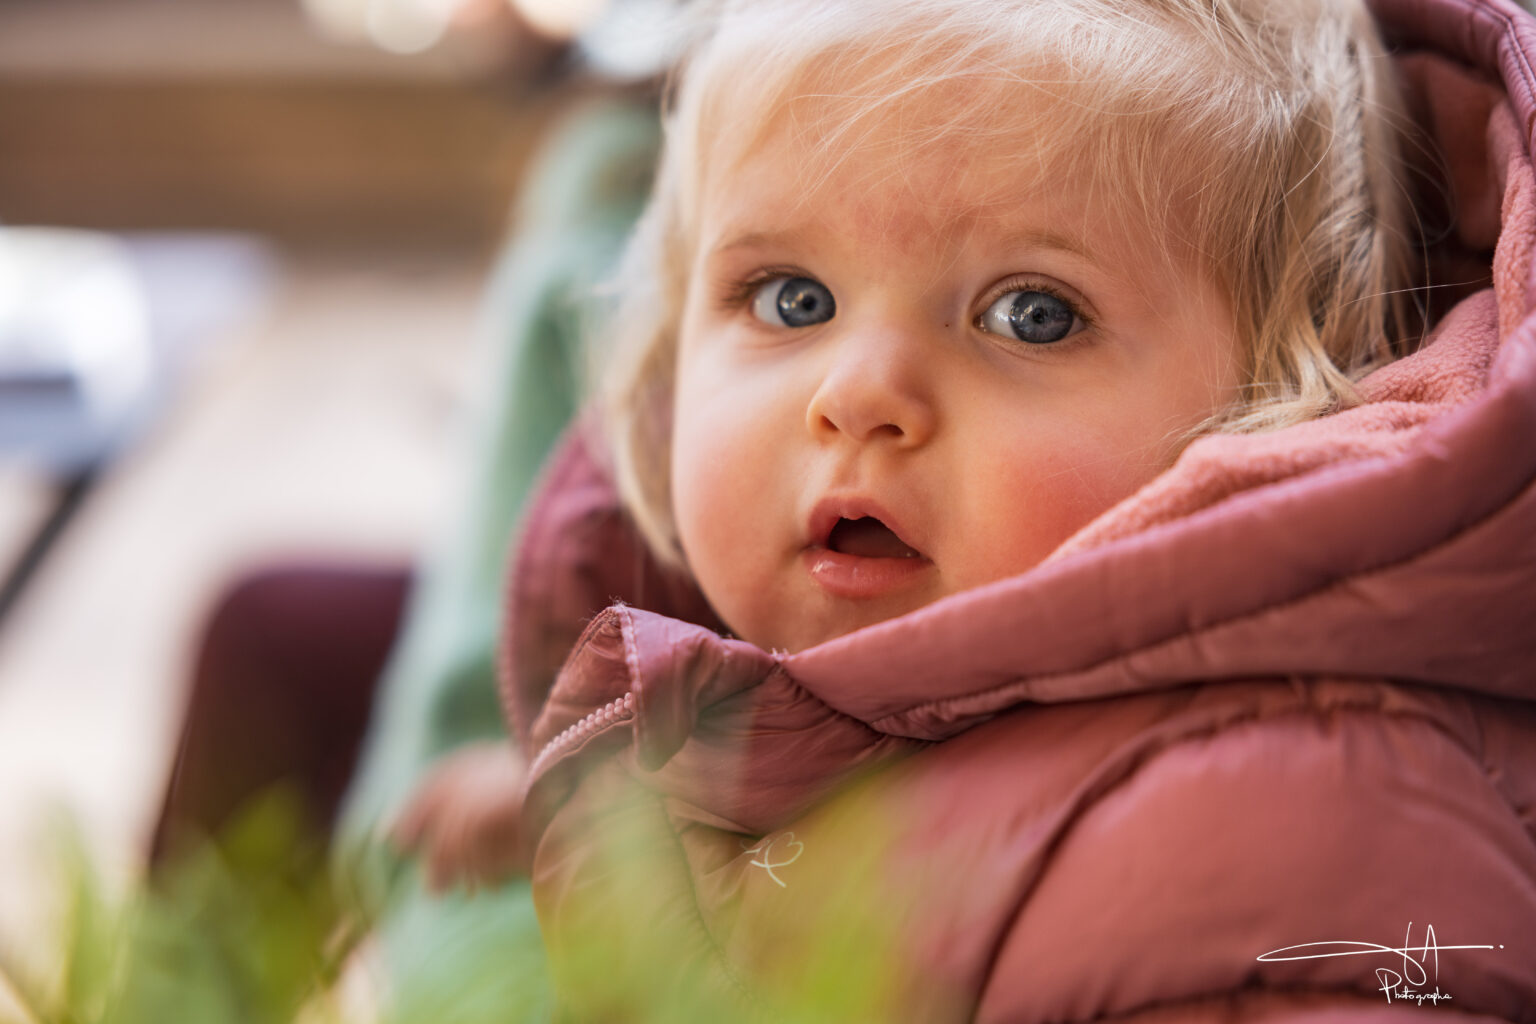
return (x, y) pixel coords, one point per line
(282, 685)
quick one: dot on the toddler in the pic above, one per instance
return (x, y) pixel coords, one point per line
(927, 287)
(931, 304)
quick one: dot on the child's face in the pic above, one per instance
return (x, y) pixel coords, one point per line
(850, 351)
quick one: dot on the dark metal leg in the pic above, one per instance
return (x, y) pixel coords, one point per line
(71, 495)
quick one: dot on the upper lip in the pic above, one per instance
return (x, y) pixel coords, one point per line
(829, 510)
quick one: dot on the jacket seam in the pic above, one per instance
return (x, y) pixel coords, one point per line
(1505, 29)
(742, 989)
(1508, 36)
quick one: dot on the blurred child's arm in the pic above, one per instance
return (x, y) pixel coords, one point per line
(463, 820)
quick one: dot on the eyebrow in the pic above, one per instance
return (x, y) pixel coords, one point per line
(1032, 239)
(753, 240)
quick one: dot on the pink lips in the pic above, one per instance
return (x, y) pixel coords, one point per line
(859, 577)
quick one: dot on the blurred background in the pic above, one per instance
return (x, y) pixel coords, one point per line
(243, 245)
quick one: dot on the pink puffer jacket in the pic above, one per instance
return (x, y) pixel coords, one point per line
(1277, 707)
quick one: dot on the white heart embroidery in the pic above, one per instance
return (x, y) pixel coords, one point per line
(776, 851)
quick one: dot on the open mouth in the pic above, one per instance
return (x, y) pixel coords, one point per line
(868, 537)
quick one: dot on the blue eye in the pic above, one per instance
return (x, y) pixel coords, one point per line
(793, 302)
(1034, 317)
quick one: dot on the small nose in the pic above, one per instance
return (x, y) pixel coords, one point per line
(877, 386)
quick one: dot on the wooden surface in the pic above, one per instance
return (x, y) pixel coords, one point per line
(428, 162)
(237, 114)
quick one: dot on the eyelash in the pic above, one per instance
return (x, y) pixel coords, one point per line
(738, 294)
(1026, 283)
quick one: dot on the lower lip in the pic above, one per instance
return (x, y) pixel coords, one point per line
(858, 578)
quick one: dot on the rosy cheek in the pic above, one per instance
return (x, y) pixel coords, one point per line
(700, 477)
(715, 496)
(729, 427)
(1057, 493)
(713, 477)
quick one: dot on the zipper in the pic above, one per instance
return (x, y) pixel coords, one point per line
(615, 712)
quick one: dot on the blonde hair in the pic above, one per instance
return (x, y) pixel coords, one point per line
(1256, 136)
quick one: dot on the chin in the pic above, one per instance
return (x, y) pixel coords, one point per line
(832, 625)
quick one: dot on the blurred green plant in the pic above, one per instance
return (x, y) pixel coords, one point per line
(246, 928)
(832, 939)
(240, 928)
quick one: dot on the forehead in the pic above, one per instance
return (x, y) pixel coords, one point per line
(957, 159)
(839, 127)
